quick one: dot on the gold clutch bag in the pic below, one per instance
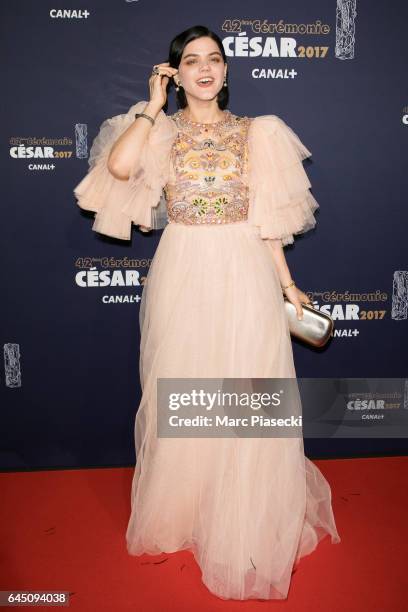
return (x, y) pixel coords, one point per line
(315, 328)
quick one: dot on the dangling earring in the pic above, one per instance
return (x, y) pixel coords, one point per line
(177, 87)
(225, 81)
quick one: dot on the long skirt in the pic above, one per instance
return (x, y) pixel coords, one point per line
(247, 508)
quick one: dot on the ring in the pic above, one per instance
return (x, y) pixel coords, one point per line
(155, 70)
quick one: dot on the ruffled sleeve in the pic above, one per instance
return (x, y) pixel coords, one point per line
(280, 202)
(139, 200)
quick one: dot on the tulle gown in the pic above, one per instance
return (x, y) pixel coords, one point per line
(212, 306)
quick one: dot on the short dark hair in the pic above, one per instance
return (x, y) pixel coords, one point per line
(177, 46)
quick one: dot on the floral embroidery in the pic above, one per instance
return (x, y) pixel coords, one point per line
(219, 205)
(208, 175)
(201, 206)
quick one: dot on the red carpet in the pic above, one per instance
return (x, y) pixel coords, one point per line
(65, 530)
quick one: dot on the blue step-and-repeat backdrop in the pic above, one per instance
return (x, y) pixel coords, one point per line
(335, 71)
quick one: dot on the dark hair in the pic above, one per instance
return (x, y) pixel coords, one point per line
(177, 46)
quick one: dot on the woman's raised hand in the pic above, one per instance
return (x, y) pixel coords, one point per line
(158, 83)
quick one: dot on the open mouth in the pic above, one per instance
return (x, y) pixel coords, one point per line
(205, 81)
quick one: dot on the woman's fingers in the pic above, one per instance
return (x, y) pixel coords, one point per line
(165, 68)
(162, 73)
(158, 86)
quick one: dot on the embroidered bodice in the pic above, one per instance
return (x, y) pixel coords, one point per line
(208, 171)
(237, 169)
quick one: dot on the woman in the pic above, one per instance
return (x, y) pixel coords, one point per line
(212, 306)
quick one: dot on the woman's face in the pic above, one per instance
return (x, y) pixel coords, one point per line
(202, 58)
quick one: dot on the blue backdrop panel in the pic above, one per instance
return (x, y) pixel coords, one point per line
(71, 345)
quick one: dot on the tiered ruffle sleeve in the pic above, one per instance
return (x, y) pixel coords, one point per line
(140, 199)
(280, 201)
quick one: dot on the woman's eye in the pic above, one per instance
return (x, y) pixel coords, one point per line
(214, 59)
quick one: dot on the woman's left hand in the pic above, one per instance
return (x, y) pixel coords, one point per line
(297, 298)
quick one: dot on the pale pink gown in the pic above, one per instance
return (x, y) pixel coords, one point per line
(212, 306)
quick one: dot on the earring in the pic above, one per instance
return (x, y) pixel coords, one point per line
(177, 86)
(225, 81)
